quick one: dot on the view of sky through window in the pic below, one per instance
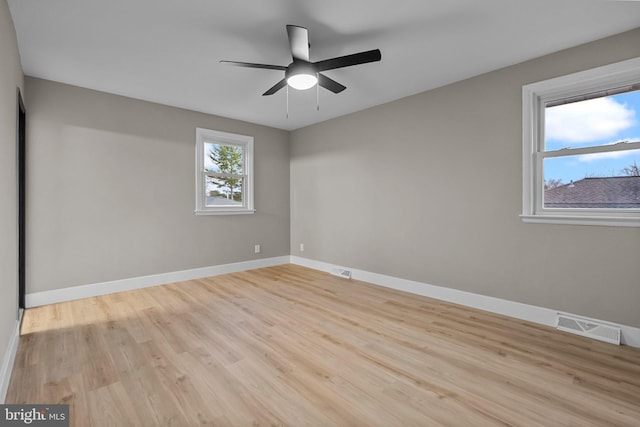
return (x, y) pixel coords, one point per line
(594, 122)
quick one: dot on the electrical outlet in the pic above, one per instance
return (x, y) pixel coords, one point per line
(257, 249)
(301, 247)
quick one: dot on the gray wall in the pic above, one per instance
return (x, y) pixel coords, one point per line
(111, 190)
(429, 188)
(10, 78)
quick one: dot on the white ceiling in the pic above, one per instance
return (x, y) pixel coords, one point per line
(168, 51)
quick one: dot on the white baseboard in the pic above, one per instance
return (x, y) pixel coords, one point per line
(545, 316)
(8, 360)
(85, 291)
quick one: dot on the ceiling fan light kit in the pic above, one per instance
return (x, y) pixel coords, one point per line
(302, 74)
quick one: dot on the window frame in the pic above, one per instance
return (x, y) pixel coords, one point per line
(535, 96)
(230, 139)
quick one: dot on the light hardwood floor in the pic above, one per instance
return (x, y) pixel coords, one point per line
(292, 346)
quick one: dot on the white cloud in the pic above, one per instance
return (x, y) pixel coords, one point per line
(586, 121)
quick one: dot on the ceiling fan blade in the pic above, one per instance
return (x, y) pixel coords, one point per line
(252, 65)
(276, 87)
(299, 42)
(349, 60)
(330, 84)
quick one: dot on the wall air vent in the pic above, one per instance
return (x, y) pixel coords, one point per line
(589, 328)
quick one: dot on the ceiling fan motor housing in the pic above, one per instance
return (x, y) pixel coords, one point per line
(300, 67)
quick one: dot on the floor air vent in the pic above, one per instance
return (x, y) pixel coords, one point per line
(589, 328)
(341, 272)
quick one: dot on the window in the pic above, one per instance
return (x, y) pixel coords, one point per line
(581, 147)
(224, 173)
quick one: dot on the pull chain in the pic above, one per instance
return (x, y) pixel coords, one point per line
(287, 101)
(317, 94)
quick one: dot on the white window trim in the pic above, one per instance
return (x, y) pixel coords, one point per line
(534, 98)
(207, 135)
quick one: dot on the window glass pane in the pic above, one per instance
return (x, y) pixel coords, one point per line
(224, 191)
(593, 122)
(598, 180)
(223, 158)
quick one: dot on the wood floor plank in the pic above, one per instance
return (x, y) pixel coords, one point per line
(108, 406)
(292, 346)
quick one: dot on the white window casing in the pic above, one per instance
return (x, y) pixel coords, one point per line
(204, 136)
(535, 97)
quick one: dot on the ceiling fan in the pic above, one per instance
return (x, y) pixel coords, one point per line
(303, 74)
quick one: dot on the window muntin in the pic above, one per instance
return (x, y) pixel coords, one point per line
(581, 147)
(224, 178)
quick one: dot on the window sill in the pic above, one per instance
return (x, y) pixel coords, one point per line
(226, 212)
(609, 221)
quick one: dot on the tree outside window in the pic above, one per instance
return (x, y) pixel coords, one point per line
(227, 160)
